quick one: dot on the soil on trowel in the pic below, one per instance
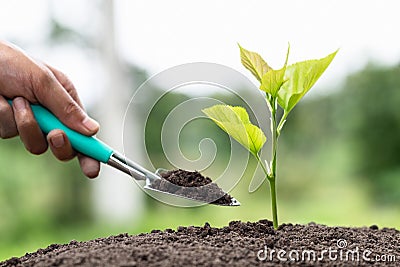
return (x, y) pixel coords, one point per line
(193, 185)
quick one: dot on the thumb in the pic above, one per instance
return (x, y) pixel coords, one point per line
(53, 96)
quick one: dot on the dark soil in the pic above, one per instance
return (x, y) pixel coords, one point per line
(192, 185)
(235, 245)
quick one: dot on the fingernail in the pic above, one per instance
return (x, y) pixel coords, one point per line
(19, 104)
(57, 140)
(90, 124)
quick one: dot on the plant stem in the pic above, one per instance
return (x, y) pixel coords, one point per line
(282, 122)
(271, 172)
(273, 203)
(272, 175)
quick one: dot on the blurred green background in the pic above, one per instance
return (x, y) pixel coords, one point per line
(338, 164)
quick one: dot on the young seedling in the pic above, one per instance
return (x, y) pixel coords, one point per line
(284, 88)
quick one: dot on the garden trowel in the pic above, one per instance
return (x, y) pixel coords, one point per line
(98, 150)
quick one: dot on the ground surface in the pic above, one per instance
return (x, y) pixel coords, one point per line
(239, 244)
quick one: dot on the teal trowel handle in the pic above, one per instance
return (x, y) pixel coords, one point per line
(90, 146)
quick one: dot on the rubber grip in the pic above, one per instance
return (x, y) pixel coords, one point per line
(88, 145)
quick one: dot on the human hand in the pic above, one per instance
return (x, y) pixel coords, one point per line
(26, 81)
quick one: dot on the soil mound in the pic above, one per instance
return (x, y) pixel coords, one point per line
(239, 244)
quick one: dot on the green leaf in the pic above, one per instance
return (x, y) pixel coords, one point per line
(300, 78)
(254, 63)
(273, 80)
(235, 122)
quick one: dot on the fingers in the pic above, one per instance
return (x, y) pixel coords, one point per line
(8, 128)
(60, 145)
(89, 166)
(50, 93)
(66, 83)
(62, 149)
(28, 129)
